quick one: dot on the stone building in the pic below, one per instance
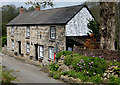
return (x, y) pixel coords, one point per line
(35, 34)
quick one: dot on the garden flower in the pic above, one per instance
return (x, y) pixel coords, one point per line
(101, 55)
(92, 62)
(91, 53)
(87, 72)
(84, 63)
(77, 63)
(84, 66)
(94, 73)
(90, 66)
(93, 56)
(80, 67)
(81, 59)
(89, 63)
(85, 54)
(89, 77)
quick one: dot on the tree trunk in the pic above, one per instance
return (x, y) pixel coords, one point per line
(107, 25)
(119, 24)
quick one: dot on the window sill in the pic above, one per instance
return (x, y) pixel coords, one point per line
(12, 35)
(28, 37)
(52, 40)
(27, 53)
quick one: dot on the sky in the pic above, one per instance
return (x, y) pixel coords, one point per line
(57, 3)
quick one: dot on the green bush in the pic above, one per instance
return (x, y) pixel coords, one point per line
(68, 60)
(89, 65)
(63, 53)
(53, 67)
(51, 74)
(96, 79)
(4, 41)
(56, 76)
(114, 81)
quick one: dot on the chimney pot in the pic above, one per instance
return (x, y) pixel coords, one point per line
(21, 10)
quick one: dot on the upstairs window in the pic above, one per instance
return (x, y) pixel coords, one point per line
(51, 53)
(12, 44)
(28, 48)
(12, 31)
(41, 51)
(52, 32)
(28, 32)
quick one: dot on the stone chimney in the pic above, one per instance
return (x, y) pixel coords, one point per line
(21, 10)
(37, 8)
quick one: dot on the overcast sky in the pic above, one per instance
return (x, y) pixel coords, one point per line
(57, 3)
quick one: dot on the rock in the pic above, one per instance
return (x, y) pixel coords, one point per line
(63, 68)
(105, 74)
(105, 78)
(71, 67)
(115, 75)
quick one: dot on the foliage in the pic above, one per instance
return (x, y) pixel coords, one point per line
(89, 65)
(95, 79)
(68, 60)
(114, 81)
(94, 28)
(55, 74)
(53, 67)
(4, 41)
(6, 76)
(63, 53)
(42, 4)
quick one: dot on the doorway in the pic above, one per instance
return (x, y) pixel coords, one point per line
(36, 51)
(19, 43)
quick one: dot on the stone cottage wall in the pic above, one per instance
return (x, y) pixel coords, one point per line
(38, 35)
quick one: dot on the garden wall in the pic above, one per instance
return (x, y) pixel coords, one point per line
(107, 54)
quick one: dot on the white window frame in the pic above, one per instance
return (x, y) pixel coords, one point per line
(52, 32)
(28, 48)
(41, 51)
(28, 32)
(51, 53)
(12, 31)
(12, 44)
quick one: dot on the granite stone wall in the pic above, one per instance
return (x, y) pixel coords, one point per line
(39, 35)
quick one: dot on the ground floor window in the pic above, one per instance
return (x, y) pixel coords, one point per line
(70, 49)
(51, 53)
(12, 44)
(28, 48)
(41, 51)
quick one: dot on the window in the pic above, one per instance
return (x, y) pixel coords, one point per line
(12, 31)
(12, 44)
(51, 53)
(28, 48)
(41, 51)
(52, 32)
(28, 32)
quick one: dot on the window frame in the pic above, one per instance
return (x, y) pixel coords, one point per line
(28, 31)
(12, 31)
(54, 33)
(13, 45)
(27, 48)
(50, 57)
(41, 51)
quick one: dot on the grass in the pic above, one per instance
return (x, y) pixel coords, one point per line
(6, 77)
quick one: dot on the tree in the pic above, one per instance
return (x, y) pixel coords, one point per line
(42, 4)
(8, 13)
(107, 25)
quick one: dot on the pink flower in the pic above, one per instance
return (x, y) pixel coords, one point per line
(87, 72)
(90, 66)
(81, 59)
(89, 63)
(89, 77)
(94, 73)
(84, 66)
(80, 67)
(84, 63)
(85, 54)
(77, 63)
(92, 62)
(93, 56)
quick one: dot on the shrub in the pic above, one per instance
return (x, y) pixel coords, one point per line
(68, 60)
(113, 80)
(53, 67)
(95, 79)
(4, 41)
(63, 53)
(51, 74)
(89, 65)
(56, 76)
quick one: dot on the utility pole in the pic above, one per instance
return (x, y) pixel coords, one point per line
(119, 22)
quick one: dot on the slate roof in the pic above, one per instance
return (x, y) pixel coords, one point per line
(47, 17)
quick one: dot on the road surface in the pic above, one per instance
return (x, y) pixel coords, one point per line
(26, 73)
